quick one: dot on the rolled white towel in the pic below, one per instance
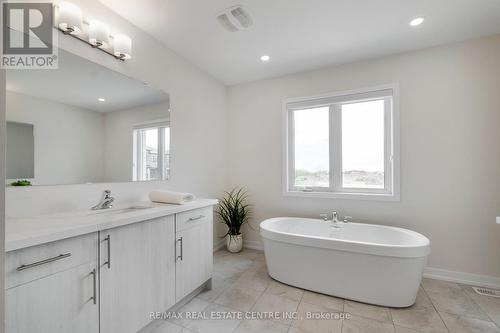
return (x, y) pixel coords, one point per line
(170, 197)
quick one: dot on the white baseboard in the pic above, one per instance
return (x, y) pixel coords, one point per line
(429, 272)
(461, 277)
(254, 245)
(218, 245)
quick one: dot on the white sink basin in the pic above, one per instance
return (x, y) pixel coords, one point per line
(121, 210)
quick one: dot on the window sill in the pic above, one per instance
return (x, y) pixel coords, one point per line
(339, 195)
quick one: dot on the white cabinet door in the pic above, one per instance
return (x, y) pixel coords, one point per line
(194, 257)
(58, 303)
(137, 273)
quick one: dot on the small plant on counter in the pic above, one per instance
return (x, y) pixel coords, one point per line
(234, 212)
(23, 182)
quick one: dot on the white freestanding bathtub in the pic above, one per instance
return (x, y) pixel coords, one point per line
(373, 264)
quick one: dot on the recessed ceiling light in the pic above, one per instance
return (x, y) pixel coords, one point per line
(265, 58)
(100, 99)
(417, 21)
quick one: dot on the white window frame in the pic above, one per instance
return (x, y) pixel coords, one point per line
(391, 191)
(137, 155)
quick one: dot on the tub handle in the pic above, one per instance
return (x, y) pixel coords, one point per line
(347, 219)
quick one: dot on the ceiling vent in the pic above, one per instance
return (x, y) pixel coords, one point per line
(235, 19)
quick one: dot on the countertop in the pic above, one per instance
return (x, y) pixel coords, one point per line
(29, 231)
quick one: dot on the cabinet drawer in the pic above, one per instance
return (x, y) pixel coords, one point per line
(192, 218)
(35, 262)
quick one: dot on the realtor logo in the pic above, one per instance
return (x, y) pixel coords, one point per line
(28, 36)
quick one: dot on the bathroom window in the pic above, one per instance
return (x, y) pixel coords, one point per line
(343, 145)
(151, 153)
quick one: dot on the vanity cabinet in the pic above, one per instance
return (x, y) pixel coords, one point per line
(53, 287)
(137, 273)
(111, 280)
(194, 259)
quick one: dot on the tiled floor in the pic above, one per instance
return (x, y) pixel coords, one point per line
(241, 284)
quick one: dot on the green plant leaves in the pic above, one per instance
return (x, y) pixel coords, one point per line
(234, 210)
(23, 182)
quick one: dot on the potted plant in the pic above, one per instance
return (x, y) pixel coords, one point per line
(234, 212)
(23, 182)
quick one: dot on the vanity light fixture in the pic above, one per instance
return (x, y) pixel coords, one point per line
(98, 34)
(101, 99)
(71, 23)
(416, 21)
(70, 18)
(122, 47)
(265, 58)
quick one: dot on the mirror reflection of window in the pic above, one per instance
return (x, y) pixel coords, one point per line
(20, 151)
(84, 130)
(151, 152)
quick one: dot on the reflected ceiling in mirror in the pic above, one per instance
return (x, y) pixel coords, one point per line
(88, 124)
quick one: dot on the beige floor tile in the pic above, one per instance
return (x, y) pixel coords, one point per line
(296, 330)
(259, 263)
(238, 260)
(255, 279)
(423, 299)
(379, 313)
(196, 305)
(232, 267)
(451, 298)
(214, 325)
(251, 254)
(161, 326)
(261, 326)
(323, 300)
(400, 329)
(490, 305)
(281, 289)
(167, 327)
(316, 325)
(432, 285)
(274, 303)
(476, 296)
(238, 297)
(458, 324)
(218, 286)
(364, 325)
(420, 318)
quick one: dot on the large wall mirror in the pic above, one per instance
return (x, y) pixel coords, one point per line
(84, 123)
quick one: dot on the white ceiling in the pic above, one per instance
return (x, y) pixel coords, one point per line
(302, 35)
(80, 82)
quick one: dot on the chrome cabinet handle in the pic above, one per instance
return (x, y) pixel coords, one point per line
(94, 286)
(196, 218)
(108, 240)
(180, 256)
(43, 262)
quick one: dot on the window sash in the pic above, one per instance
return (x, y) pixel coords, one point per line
(139, 167)
(335, 142)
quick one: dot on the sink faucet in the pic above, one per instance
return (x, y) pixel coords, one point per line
(335, 217)
(106, 201)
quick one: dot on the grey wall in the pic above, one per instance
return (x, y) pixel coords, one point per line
(450, 157)
(199, 125)
(69, 140)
